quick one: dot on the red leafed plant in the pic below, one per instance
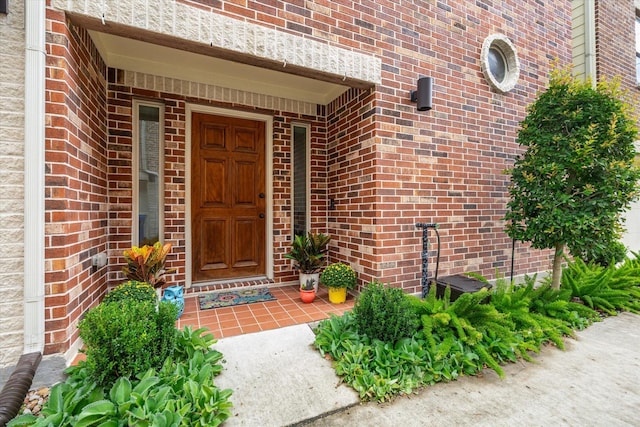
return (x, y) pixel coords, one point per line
(146, 264)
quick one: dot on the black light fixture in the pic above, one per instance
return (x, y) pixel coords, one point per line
(424, 94)
(4, 6)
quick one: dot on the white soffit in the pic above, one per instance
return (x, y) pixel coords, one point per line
(139, 56)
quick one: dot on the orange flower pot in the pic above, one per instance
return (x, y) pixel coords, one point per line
(307, 296)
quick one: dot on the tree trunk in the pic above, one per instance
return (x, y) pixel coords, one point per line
(557, 266)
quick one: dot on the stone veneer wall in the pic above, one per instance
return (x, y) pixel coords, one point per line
(12, 57)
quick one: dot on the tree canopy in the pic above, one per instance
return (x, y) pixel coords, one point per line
(576, 177)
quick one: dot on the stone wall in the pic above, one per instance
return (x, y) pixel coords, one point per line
(12, 57)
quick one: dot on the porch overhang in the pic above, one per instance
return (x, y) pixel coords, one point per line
(268, 55)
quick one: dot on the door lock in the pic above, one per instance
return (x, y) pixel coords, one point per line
(261, 215)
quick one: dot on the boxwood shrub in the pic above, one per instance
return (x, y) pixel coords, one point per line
(127, 336)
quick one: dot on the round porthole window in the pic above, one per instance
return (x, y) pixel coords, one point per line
(499, 63)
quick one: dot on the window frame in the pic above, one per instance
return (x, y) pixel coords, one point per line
(503, 45)
(135, 169)
(637, 39)
(307, 185)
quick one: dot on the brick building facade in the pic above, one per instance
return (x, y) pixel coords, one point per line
(376, 165)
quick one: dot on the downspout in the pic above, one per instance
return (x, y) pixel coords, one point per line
(590, 41)
(34, 99)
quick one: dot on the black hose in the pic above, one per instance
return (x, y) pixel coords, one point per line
(16, 388)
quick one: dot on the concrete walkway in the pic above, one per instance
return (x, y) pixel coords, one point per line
(279, 380)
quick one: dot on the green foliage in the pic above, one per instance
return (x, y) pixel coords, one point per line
(478, 330)
(577, 176)
(384, 313)
(147, 264)
(608, 289)
(338, 275)
(604, 252)
(379, 370)
(478, 326)
(132, 290)
(308, 251)
(539, 315)
(180, 393)
(126, 337)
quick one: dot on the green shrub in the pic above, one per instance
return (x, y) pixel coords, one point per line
(139, 291)
(339, 275)
(604, 253)
(478, 330)
(182, 392)
(127, 337)
(384, 313)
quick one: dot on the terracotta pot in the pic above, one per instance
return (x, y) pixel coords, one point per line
(337, 295)
(315, 277)
(307, 296)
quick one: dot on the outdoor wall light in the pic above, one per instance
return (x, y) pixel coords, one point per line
(423, 96)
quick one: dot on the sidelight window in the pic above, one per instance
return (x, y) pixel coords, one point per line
(147, 172)
(301, 180)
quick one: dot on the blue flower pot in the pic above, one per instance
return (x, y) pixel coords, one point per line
(175, 295)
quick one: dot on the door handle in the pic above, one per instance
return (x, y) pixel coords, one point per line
(261, 215)
(261, 195)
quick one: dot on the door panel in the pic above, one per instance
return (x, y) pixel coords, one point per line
(247, 176)
(213, 251)
(213, 184)
(228, 205)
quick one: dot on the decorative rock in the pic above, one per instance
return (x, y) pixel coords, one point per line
(35, 400)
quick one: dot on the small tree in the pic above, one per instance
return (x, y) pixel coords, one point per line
(576, 178)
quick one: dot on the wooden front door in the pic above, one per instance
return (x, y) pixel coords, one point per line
(227, 197)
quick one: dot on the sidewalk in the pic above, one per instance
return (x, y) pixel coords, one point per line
(278, 379)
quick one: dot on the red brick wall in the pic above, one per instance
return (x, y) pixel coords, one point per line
(120, 101)
(386, 165)
(616, 40)
(76, 180)
(397, 166)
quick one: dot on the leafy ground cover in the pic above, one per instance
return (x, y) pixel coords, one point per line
(480, 330)
(180, 393)
(140, 370)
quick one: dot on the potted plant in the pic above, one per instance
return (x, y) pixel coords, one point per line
(147, 264)
(339, 278)
(307, 291)
(308, 252)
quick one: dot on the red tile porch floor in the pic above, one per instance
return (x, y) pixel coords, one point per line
(285, 310)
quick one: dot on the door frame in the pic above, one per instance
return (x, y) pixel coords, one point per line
(268, 158)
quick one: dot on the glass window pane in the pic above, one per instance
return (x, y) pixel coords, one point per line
(148, 174)
(497, 64)
(637, 49)
(300, 175)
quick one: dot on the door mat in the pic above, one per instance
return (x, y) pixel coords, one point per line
(230, 298)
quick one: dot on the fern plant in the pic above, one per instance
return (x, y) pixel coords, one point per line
(608, 289)
(468, 320)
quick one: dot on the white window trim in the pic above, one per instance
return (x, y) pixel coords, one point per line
(135, 170)
(512, 72)
(307, 221)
